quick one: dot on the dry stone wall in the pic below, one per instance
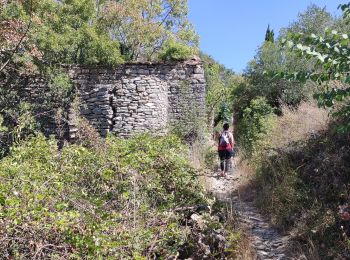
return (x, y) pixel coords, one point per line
(136, 98)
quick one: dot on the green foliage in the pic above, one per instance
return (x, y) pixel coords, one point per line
(233, 241)
(220, 82)
(23, 117)
(175, 51)
(270, 35)
(190, 126)
(115, 202)
(60, 86)
(97, 32)
(257, 119)
(272, 56)
(211, 157)
(69, 33)
(331, 51)
(25, 123)
(314, 19)
(224, 114)
(142, 27)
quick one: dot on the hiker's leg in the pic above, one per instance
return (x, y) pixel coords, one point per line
(228, 161)
(222, 165)
(222, 160)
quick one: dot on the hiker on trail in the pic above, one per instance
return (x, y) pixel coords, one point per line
(225, 149)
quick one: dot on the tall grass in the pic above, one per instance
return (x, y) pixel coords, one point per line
(297, 124)
(301, 176)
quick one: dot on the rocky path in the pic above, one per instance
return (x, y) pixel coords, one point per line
(266, 241)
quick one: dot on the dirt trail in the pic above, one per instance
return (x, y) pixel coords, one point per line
(267, 242)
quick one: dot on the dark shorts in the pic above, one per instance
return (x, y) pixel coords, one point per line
(225, 154)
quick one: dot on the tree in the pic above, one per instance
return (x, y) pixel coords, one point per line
(96, 31)
(14, 30)
(270, 35)
(271, 56)
(331, 50)
(143, 26)
(220, 82)
(69, 32)
(52, 32)
(314, 20)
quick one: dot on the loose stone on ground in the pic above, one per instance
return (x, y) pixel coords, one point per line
(267, 242)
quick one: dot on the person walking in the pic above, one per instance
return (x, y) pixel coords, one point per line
(225, 149)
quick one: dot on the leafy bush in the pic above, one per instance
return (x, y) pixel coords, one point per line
(115, 202)
(175, 51)
(189, 129)
(190, 126)
(257, 120)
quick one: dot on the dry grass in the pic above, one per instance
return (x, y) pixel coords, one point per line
(298, 124)
(271, 183)
(299, 180)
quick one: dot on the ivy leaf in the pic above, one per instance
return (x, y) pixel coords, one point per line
(344, 42)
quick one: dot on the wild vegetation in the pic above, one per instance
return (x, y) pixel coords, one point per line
(302, 180)
(141, 198)
(41, 37)
(114, 200)
(297, 151)
(291, 114)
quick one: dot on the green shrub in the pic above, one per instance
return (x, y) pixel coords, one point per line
(280, 186)
(210, 156)
(83, 203)
(175, 51)
(257, 119)
(190, 126)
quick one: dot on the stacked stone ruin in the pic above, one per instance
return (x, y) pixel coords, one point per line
(139, 97)
(128, 99)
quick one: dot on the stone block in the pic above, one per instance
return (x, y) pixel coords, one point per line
(107, 112)
(143, 72)
(125, 81)
(85, 111)
(198, 76)
(73, 130)
(97, 111)
(141, 88)
(199, 70)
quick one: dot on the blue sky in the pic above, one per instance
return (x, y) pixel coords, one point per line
(231, 30)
